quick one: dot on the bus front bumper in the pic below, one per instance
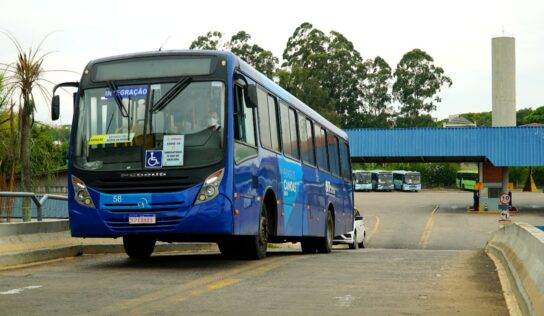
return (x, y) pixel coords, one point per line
(214, 217)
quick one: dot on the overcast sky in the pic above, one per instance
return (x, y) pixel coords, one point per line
(457, 34)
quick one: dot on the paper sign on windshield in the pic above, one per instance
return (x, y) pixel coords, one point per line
(111, 138)
(172, 150)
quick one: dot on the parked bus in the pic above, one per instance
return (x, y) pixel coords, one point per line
(362, 180)
(466, 180)
(382, 180)
(407, 180)
(193, 146)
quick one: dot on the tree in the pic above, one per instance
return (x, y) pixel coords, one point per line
(424, 120)
(331, 65)
(263, 60)
(22, 78)
(521, 114)
(212, 41)
(537, 116)
(417, 83)
(375, 87)
(480, 119)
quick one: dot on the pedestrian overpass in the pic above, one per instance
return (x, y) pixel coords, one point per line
(501, 146)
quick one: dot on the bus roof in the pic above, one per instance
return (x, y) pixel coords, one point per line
(288, 97)
(405, 171)
(244, 67)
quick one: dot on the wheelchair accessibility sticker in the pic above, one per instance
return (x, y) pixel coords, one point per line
(153, 158)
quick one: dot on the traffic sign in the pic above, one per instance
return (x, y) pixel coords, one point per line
(504, 199)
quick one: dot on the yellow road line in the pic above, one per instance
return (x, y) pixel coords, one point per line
(428, 228)
(374, 229)
(163, 297)
(156, 307)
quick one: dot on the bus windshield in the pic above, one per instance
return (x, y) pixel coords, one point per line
(412, 178)
(132, 133)
(385, 178)
(362, 178)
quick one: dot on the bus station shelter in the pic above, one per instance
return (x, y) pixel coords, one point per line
(493, 148)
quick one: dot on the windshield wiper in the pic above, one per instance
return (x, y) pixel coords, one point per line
(117, 99)
(171, 94)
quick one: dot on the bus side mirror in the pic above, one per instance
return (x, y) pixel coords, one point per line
(251, 95)
(55, 108)
(55, 102)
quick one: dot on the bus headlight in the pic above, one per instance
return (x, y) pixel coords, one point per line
(210, 188)
(81, 194)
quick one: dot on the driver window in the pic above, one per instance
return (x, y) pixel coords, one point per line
(244, 131)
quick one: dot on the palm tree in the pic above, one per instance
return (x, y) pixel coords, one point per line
(21, 79)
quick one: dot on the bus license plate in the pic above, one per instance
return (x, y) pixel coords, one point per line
(142, 219)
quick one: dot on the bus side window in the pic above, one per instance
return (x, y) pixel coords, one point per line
(285, 132)
(264, 119)
(309, 153)
(332, 145)
(294, 135)
(244, 131)
(244, 120)
(321, 148)
(345, 161)
(274, 132)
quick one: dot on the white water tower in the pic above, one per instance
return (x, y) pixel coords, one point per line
(503, 70)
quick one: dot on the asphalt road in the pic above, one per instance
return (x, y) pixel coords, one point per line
(419, 262)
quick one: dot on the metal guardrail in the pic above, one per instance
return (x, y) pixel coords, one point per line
(38, 201)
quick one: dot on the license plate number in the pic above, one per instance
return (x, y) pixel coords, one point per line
(142, 219)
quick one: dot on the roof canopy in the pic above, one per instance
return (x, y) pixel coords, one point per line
(502, 146)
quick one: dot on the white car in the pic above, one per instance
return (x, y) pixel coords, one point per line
(355, 238)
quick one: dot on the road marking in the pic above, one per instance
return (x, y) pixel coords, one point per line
(374, 229)
(428, 228)
(153, 302)
(19, 291)
(344, 301)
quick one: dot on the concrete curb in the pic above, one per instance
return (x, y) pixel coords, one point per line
(34, 242)
(520, 248)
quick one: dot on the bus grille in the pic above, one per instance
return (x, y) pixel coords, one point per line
(156, 207)
(115, 186)
(165, 223)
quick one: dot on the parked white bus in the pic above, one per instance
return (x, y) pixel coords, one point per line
(362, 180)
(382, 180)
(407, 180)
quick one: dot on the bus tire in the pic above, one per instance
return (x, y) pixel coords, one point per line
(138, 246)
(324, 244)
(354, 245)
(256, 246)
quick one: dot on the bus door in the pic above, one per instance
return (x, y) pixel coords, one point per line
(290, 172)
(245, 166)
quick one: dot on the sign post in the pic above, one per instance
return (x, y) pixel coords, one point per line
(504, 205)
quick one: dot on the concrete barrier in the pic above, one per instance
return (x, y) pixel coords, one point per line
(30, 242)
(520, 248)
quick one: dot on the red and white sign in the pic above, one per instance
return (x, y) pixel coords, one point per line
(504, 199)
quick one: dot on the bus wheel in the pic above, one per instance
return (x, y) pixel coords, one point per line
(139, 247)
(324, 244)
(354, 245)
(257, 245)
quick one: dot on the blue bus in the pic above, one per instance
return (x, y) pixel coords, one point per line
(198, 146)
(407, 180)
(362, 180)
